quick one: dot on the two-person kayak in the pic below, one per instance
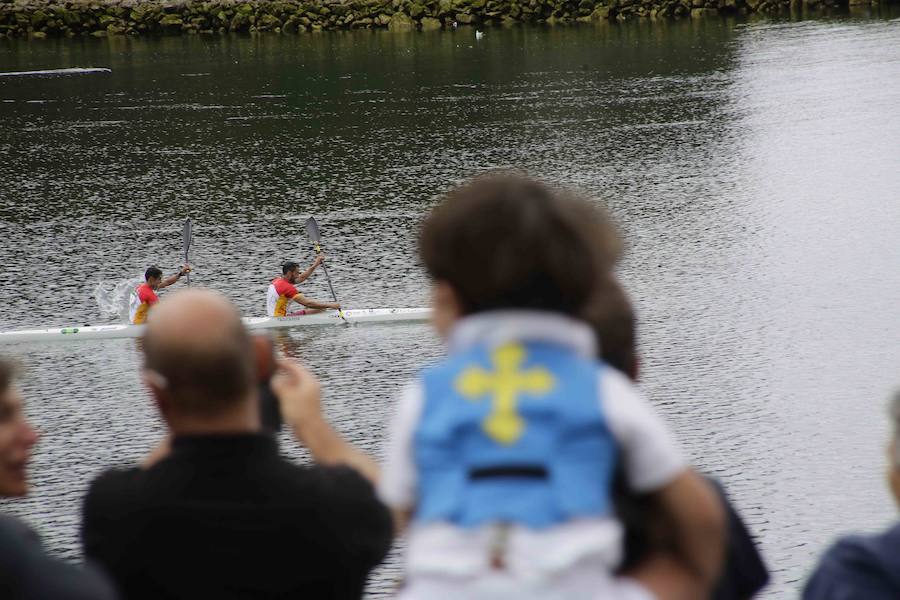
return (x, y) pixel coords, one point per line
(96, 332)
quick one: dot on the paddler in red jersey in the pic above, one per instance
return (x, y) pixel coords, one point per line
(144, 296)
(282, 291)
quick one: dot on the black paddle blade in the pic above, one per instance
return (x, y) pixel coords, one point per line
(312, 230)
(187, 234)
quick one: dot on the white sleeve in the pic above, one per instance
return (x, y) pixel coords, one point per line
(397, 486)
(650, 454)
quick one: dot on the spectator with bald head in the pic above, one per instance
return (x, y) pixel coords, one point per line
(215, 512)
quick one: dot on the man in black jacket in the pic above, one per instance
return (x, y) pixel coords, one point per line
(217, 513)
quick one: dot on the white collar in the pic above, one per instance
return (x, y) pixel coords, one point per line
(497, 327)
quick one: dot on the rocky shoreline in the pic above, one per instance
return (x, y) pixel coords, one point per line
(41, 19)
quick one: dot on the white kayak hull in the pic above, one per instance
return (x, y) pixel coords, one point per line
(101, 332)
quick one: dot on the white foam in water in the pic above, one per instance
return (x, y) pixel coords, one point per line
(113, 296)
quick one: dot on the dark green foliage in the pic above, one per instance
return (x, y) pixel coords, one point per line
(67, 18)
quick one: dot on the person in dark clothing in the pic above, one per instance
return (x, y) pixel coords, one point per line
(216, 512)
(26, 571)
(860, 567)
(744, 573)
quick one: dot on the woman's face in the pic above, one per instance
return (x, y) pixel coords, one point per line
(17, 438)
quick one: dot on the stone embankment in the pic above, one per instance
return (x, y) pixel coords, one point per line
(43, 18)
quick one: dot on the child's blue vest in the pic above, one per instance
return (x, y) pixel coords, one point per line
(513, 434)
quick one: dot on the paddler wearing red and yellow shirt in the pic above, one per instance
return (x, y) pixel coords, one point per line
(143, 297)
(282, 292)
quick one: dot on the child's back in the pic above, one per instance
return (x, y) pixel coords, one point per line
(503, 453)
(513, 433)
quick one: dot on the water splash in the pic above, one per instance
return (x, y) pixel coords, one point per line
(112, 296)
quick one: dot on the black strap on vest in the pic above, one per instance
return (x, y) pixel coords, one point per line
(519, 471)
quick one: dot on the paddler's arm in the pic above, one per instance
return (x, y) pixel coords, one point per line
(174, 278)
(299, 396)
(305, 274)
(300, 299)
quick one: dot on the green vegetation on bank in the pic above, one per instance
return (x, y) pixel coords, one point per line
(40, 19)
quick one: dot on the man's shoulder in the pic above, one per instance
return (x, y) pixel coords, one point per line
(283, 287)
(337, 492)
(862, 566)
(14, 534)
(881, 548)
(117, 476)
(111, 486)
(337, 498)
(145, 292)
(134, 483)
(325, 482)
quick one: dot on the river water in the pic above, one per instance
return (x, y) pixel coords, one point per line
(754, 169)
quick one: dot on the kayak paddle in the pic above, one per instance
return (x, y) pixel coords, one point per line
(312, 230)
(187, 233)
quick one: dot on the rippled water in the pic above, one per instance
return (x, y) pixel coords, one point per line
(754, 168)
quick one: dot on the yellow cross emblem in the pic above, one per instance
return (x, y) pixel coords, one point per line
(506, 383)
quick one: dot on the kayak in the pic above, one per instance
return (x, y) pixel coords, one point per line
(104, 332)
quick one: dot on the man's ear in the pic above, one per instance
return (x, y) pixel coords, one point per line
(159, 389)
(264, 355)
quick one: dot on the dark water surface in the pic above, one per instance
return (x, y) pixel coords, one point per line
(754, 168)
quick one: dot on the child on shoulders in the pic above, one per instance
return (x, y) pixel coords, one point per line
(503, 454)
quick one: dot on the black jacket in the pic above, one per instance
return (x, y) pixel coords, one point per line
(226, 517)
